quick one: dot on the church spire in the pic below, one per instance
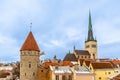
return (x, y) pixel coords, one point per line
(90, 32)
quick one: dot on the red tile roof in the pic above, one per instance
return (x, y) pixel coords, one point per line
(30, 43)
(47, 64)
(82, 52)
(67, 63)
(102, 65)
(116, 62)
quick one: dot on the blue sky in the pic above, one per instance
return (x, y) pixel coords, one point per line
(58, 25)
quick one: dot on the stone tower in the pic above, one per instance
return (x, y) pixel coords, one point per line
(91, 42)
(29, 58)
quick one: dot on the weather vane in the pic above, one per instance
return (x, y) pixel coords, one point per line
(30, 26)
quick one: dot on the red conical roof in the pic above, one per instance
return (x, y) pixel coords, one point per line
(30, 43)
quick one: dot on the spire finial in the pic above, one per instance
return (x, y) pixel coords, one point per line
(69, 51)
(74, 47)
(30, 26)
(55, 57)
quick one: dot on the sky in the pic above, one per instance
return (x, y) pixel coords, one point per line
(58, 25)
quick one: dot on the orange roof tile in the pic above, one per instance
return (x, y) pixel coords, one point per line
(67, 63)
(30, 43)
(116, 62)
(101, 65)
(47, 64)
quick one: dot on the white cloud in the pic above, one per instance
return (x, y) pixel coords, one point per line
(107, 30)
(9, 47)
(56, 43)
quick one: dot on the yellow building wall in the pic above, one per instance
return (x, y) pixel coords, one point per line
(103, 74)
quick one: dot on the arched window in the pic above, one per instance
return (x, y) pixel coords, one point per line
(25, 74)
(33, 73)
(87, 46)
(29, 65)
(93, 56)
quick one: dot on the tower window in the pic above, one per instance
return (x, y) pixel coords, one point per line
(29, 65)
(87, 46)
(33, 73)
(25, 74)
(94, 46)
(41, 70)
(93, 56)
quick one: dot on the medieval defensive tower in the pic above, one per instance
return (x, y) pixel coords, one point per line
(29, 58)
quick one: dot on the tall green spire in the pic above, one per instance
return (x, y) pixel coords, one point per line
(90, 32)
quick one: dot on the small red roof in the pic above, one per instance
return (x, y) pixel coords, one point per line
(116, 62)
(47, 64)
(67, 63)
(30, 43)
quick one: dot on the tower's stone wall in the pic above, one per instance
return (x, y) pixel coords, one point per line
(91, 46)
(29, 61)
